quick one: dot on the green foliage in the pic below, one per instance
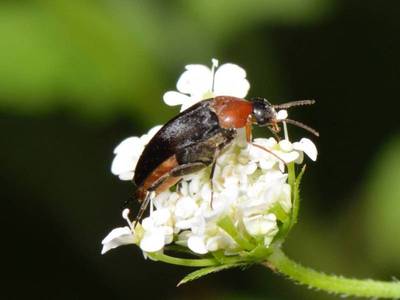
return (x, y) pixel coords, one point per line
(102, 57)
(206, 271)
(72, 53)
(382, 209)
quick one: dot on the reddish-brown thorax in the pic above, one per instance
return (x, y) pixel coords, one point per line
(233, 112)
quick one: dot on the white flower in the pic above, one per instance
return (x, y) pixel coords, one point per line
(262, 226)
(117, 237)
(200, 82)
(157, 231)
(283, 149)
(308, 147)
(249, 183)
(128, 152)
(197, 244)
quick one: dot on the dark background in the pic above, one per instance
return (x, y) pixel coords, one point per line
(77, 77)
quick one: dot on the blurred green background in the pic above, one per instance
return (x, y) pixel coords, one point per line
(78, 76)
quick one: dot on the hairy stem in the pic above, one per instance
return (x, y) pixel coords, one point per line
(204, 262)
(279, 262)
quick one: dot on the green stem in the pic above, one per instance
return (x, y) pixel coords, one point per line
(330, 283)
(295, 200)
(201, 262)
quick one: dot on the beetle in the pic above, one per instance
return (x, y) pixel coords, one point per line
(194, 138)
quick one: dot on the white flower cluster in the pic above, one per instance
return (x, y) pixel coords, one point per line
(128, 152)
(200, 82)
(249, 183)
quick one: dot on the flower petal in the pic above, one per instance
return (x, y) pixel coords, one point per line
(230, 80)
(191, 102)
(173, 98)
(161, 216)
(152, 241)
(285, 145)
(196, 80)
(197, 244)
(288, 157)
(124, 164)
(128, 153)
(127, 145)
(127, 175)
(185, 208)
(117, 237)
(308, 147)
(260, 224)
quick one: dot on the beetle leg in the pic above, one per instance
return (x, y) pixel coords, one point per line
(174, 175)
(187, 169)
(194, 167)
(212, 181)
(208, 152)
(142, 208)
(229, 136)
(274, 133)
(248, 129)
(187, 165)
(190, 160)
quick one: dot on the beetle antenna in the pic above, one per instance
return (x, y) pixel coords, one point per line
(293, 103)
(301, 125)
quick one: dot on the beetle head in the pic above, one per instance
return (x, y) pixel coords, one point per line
(264, 114)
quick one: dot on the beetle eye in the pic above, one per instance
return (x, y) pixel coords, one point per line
(259, 115)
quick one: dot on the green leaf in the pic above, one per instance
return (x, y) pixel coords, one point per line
(296, 197)
(294, 182)
(205, 271)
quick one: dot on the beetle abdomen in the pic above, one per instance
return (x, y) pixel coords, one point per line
(191, 126)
